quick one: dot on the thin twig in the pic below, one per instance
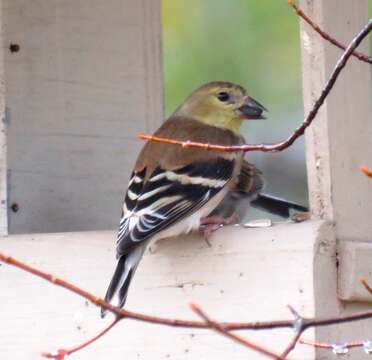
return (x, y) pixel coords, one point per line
(324, 345)
(298, 327)
(315, 343)
(347, 345)
(363, 281)
(297, 132)
(223, 331)
(291, 345)
(366, 170)
(60, 354)
(326, 36)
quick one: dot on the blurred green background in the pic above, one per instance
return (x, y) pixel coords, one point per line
(254, 43)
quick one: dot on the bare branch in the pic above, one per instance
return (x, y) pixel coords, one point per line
(60, 354)
(326, 36)
(366, 170)
(297, 132)
(222, 330)
(299, 326)
(363, 281)
(339, 348)
(343, 348)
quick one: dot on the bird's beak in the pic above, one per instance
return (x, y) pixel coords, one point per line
(251, 109)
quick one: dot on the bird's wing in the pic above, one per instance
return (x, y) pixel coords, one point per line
(171, 182)
(250, 179)
(167, 197)
(249, 183)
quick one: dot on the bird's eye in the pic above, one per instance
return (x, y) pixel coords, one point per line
(223, 96)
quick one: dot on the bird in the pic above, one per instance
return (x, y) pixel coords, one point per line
(248, 192)
(172, 187)
(234, 205)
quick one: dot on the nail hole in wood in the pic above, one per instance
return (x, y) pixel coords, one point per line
(14, 48)
(14, 207)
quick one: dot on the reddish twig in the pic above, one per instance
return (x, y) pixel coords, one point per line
(324, 345)
(223, 331)
(363, 281)
(60, 354)
(299, 131)
(366, 170)
(299, 326)
(326, 36)
(315, 343)
(343, 348)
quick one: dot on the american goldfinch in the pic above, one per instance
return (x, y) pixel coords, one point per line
(172, 188)
(247, 192)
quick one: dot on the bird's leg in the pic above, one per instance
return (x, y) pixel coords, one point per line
(210, 224)
(217, 220)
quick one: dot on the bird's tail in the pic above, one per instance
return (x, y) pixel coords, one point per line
(118, 289)
(276, 206)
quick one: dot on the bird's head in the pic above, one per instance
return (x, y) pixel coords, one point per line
(221, 104)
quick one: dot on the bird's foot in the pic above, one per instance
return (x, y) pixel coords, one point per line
(210, 224)
(217, 220)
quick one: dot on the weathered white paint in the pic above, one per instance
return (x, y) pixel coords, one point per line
(355, 262)
(87, 78)
(247, 274)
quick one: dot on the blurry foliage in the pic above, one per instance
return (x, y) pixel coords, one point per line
(251, 42)
(254, 43)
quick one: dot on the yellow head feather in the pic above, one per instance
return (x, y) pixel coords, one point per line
(221, 104)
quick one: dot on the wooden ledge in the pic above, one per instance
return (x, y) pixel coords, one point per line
(249, 274)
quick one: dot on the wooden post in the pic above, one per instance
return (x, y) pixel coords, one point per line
(340, 140)
(337, 144)
(3, 148)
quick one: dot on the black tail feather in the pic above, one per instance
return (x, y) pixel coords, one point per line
(115, 282)
(123, 291)
(122, 277)
(276, 206)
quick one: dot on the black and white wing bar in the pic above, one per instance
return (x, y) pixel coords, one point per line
(168, 196)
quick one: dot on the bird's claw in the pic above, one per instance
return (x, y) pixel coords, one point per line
(210, 224)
